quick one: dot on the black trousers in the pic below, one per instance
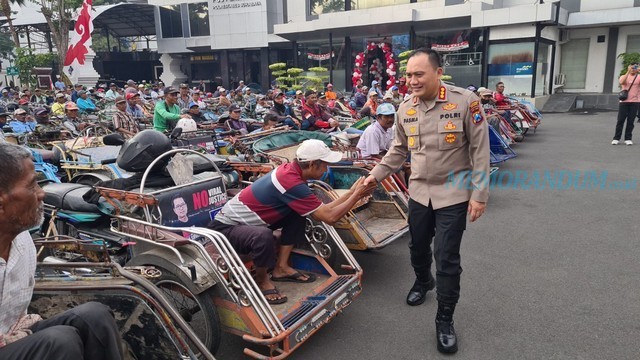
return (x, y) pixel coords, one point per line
(627, 111)
(258, 241)
(445, 226)
(87, 331)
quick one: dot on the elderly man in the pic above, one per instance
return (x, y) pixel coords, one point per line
(196, 114)
(282, 112)
(330, 94)
(133, 108)
(85, 104)
(282, 200)
(88, 331)
(22, 123)
(57, 108)
(74, 93)
(377, 138)
(443, 129)
(123, 121)
(45, 128)
(71, 121)
(371, 106)
(184, 98)
(313, 117)
(112, 93)
(223, 100)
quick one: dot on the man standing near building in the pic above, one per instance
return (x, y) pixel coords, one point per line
(443, 129)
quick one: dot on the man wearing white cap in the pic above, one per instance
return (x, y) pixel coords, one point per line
(377, 138)
(282, 199)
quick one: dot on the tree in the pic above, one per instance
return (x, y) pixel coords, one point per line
(5, 5)
(6, 45)
(26, 60)
(59, 15)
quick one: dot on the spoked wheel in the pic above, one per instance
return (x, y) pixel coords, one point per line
(198, 311)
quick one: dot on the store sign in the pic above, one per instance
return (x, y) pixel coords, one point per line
(204, 58)
(235, 4)
(450, 47)
(319, 57)
(512, 69)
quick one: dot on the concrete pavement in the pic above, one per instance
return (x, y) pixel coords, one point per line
(548, 274)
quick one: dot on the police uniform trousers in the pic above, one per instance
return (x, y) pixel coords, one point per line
(445, 226)
(87, 331)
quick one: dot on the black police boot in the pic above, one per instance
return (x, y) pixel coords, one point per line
(445, 333)
(418, 292)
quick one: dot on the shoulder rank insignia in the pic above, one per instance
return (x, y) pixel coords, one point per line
(450, 138)
(449, 107)
(449, 126)
(442, 93)
(411, 112)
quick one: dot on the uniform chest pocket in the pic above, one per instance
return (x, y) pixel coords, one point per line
(413, 136)
(450, 134)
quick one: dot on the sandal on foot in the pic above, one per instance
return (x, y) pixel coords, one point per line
(295, 277)
(274, 291)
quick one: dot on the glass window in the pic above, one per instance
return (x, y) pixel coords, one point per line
(368, 4)
(317, 7)
(574, 56)
(312, 54)
(461, 52)
(199, 19)
(170, 21)
(513, 65)
(633, 43)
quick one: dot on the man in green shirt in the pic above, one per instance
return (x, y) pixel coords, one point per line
(167, 111)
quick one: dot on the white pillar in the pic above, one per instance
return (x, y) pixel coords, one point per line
(171, 73)
(83, 74)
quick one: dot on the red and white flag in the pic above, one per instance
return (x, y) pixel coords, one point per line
(79, 40)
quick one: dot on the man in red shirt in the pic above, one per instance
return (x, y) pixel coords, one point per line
(501, 100)
(402, 86)
(282, 199)
(313, 117)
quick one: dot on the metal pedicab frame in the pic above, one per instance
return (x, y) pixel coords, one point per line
(211, 270)
(151, 326)
(372, 224)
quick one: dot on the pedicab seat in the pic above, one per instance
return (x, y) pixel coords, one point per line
(68, 196)
(288, 138)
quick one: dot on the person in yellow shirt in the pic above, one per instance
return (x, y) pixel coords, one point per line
(57, 109)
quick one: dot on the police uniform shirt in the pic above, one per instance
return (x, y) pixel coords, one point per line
(447, 138)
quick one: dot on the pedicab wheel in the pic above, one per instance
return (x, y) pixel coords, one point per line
(198, 311)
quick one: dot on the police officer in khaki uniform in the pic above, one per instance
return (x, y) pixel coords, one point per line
(444, 129)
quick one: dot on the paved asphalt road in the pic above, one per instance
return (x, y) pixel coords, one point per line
(548, 274)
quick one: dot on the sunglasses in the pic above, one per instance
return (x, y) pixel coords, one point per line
(237, 111)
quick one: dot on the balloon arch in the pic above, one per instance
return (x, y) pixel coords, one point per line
(377, 70)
